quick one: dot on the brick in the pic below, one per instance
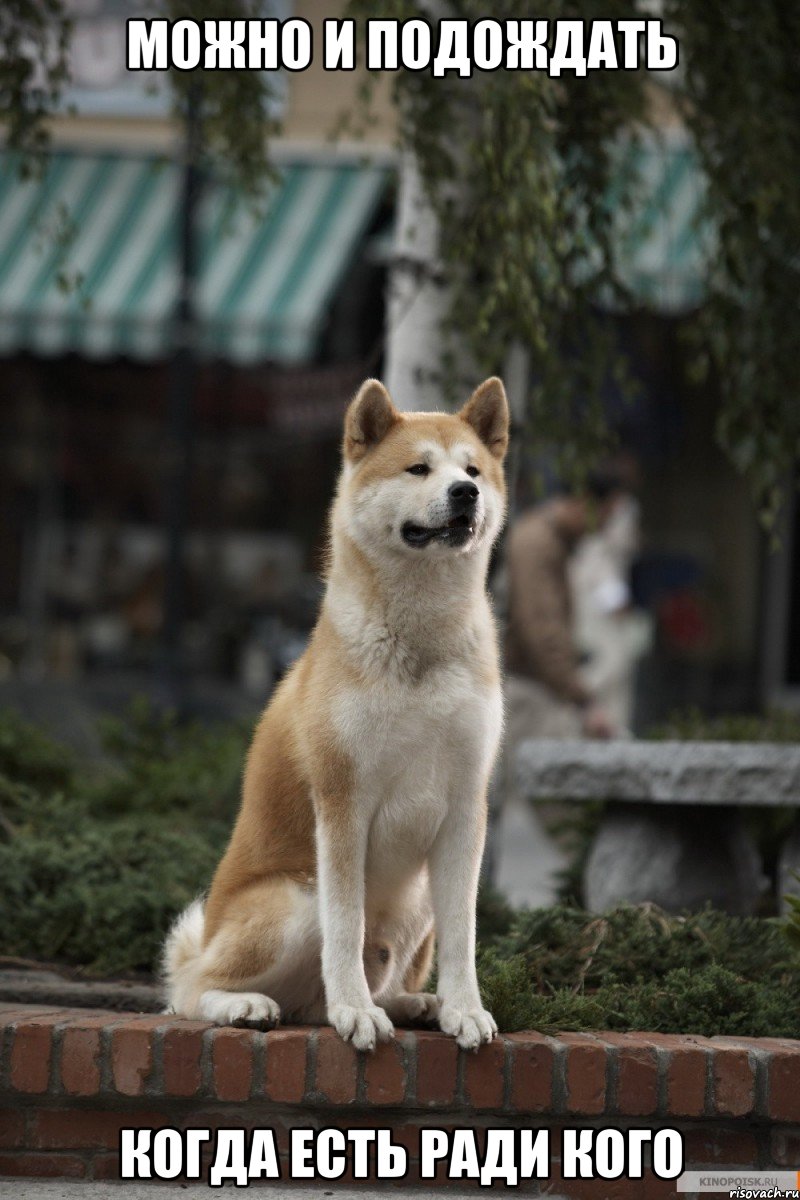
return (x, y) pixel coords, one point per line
(484, 1082)
(31, 1054)
(232, 1063)
(89, 1018)
(86, 1129)
(737, 1147)
(345, 1180)
(437, 1065)
(337, 1068)
(406, 1136)
(715, 1146)
(725, 1042)
(10, 1013)
(182, 1055)
(783, 1045)
(637, 1073)
(784, 1085)
(82, 1018)
(80, 1061)
(239, 1117)
(532, 1062)
(785, 1147)
(385, 1073)
(733, 1083)
(105, 1166)
(42, 1166)
(86, 1140)
(596, 1189)
(585, 1074)
(78, 1018)
(131, 1058)
(657, 1189)
(281, 1127)
(686, 1075)
(285, 1078)
(443, 1184)
(12, 1128)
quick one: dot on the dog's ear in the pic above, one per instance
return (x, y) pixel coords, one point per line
(369, 418)
(487, 412)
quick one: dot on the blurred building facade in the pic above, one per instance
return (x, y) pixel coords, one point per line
(289, 316)
(290, 304)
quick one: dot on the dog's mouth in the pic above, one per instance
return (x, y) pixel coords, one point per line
(456, 532)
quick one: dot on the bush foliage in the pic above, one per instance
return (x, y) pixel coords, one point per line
(96, 859)
(691, 725)
(637, 968)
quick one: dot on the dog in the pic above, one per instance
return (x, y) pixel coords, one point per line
(363, 812)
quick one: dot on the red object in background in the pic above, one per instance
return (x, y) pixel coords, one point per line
(684, 621)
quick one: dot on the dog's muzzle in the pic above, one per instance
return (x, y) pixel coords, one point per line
(462, 498)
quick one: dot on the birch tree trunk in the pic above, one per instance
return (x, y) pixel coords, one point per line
(418, 298)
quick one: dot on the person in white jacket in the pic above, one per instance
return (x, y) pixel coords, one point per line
(610, 633)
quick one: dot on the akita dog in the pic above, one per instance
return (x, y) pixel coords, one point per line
(363, 814)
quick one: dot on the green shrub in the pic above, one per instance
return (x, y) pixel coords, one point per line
(158, 764)
(692, 725)
(100, 894)
(30, 756)
(95, 863)
(637, 968)
(710, 1002)
(96, 860)
(792, 923)
(567, 947)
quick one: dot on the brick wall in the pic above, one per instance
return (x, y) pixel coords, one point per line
(70, 1079)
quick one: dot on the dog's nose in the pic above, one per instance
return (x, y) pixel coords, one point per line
(462, 494)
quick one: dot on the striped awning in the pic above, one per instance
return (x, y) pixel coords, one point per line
(89, 257)
(663, 245)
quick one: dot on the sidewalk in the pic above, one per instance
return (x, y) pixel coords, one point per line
(527, 858)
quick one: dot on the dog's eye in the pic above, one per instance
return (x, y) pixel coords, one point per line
(472, 471)
(419, 469)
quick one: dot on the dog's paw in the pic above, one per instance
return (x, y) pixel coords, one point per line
(361, 1026)
(469, 1026)
(250, 1009)
(413, 1006)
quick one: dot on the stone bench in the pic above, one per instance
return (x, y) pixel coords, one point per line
(672, 832)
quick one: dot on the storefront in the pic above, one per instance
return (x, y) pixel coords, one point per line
(289, 315)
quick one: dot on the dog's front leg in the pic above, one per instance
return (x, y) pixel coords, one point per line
(454, 866)
(341, 857)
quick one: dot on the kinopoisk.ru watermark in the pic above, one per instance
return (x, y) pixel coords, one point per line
(762, 1185)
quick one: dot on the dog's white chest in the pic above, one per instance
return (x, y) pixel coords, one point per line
(392, 731)
(415, 751)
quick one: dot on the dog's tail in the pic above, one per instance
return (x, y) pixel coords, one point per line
(180, 959)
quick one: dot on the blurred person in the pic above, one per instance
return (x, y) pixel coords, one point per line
(547, 695)
(611, 634)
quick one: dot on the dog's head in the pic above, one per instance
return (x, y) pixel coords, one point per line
(427, 484)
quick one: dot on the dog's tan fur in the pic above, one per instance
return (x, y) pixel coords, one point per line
(363, 806)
